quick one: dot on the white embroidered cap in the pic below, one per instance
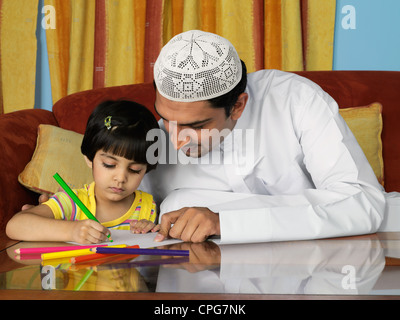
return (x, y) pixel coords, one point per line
(197, 65)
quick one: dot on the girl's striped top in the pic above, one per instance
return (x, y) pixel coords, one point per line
(63, 207)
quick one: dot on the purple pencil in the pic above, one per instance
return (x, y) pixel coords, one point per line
(153, 252)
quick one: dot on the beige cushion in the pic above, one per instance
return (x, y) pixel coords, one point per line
(366, 124)
(57, 150)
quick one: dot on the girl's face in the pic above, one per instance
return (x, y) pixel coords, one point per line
(116, 178)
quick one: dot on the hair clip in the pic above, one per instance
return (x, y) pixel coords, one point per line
(107, 122)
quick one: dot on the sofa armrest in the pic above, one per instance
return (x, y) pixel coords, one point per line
(17, 142)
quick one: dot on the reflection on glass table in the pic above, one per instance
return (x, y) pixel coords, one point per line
(347, 266)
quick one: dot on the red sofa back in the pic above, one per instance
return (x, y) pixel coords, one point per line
(73, 111)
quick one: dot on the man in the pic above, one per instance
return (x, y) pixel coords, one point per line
(263, 157)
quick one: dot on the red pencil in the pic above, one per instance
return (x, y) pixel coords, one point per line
(110, 260)
(94, 256)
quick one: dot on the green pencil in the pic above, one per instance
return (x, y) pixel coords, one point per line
(78, 202)
(85, 277)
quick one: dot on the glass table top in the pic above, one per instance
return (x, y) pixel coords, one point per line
(364, 265)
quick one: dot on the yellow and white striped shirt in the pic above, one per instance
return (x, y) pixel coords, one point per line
(64, 208)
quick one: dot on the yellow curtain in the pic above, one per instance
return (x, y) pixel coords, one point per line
(292, 49)
(70, 47)
(100, 43)
(290, 35)
(232, 19)
(125, 42)
(299, 34)
(320, 35)
(18, 54)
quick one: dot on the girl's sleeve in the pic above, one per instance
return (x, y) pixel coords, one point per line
(148, 208)
(62, 206)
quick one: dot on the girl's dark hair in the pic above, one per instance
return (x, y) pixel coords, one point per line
(124, 134)
(228, 100)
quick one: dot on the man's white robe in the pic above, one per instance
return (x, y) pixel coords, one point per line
(291, 169)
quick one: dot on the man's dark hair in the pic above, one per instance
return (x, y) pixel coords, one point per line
(228, 100)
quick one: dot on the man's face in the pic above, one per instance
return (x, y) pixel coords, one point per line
(194, 127)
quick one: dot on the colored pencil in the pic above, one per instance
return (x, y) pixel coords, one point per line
(143, 263)
(85, 277)
(111, 260)
(78, 201)
(72, 253)
(33, 256)
(53, 249)
(61, 263)
(153, 252)
(95, 256)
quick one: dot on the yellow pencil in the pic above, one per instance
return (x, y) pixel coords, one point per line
(61, 263)
(72, 253)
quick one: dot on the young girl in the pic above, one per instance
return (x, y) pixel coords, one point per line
(114, 146)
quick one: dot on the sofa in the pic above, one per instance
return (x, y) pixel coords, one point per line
(19, 129)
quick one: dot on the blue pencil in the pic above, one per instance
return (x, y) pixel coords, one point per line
(152, 252)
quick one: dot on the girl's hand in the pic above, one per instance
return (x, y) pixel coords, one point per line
(143, 226)
(89, 231)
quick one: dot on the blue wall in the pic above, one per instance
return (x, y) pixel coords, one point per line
(374, 43)
(43, 98)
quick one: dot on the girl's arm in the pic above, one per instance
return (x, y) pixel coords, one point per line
(38, 224)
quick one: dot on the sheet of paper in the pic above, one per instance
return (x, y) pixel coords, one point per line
(142, 240)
